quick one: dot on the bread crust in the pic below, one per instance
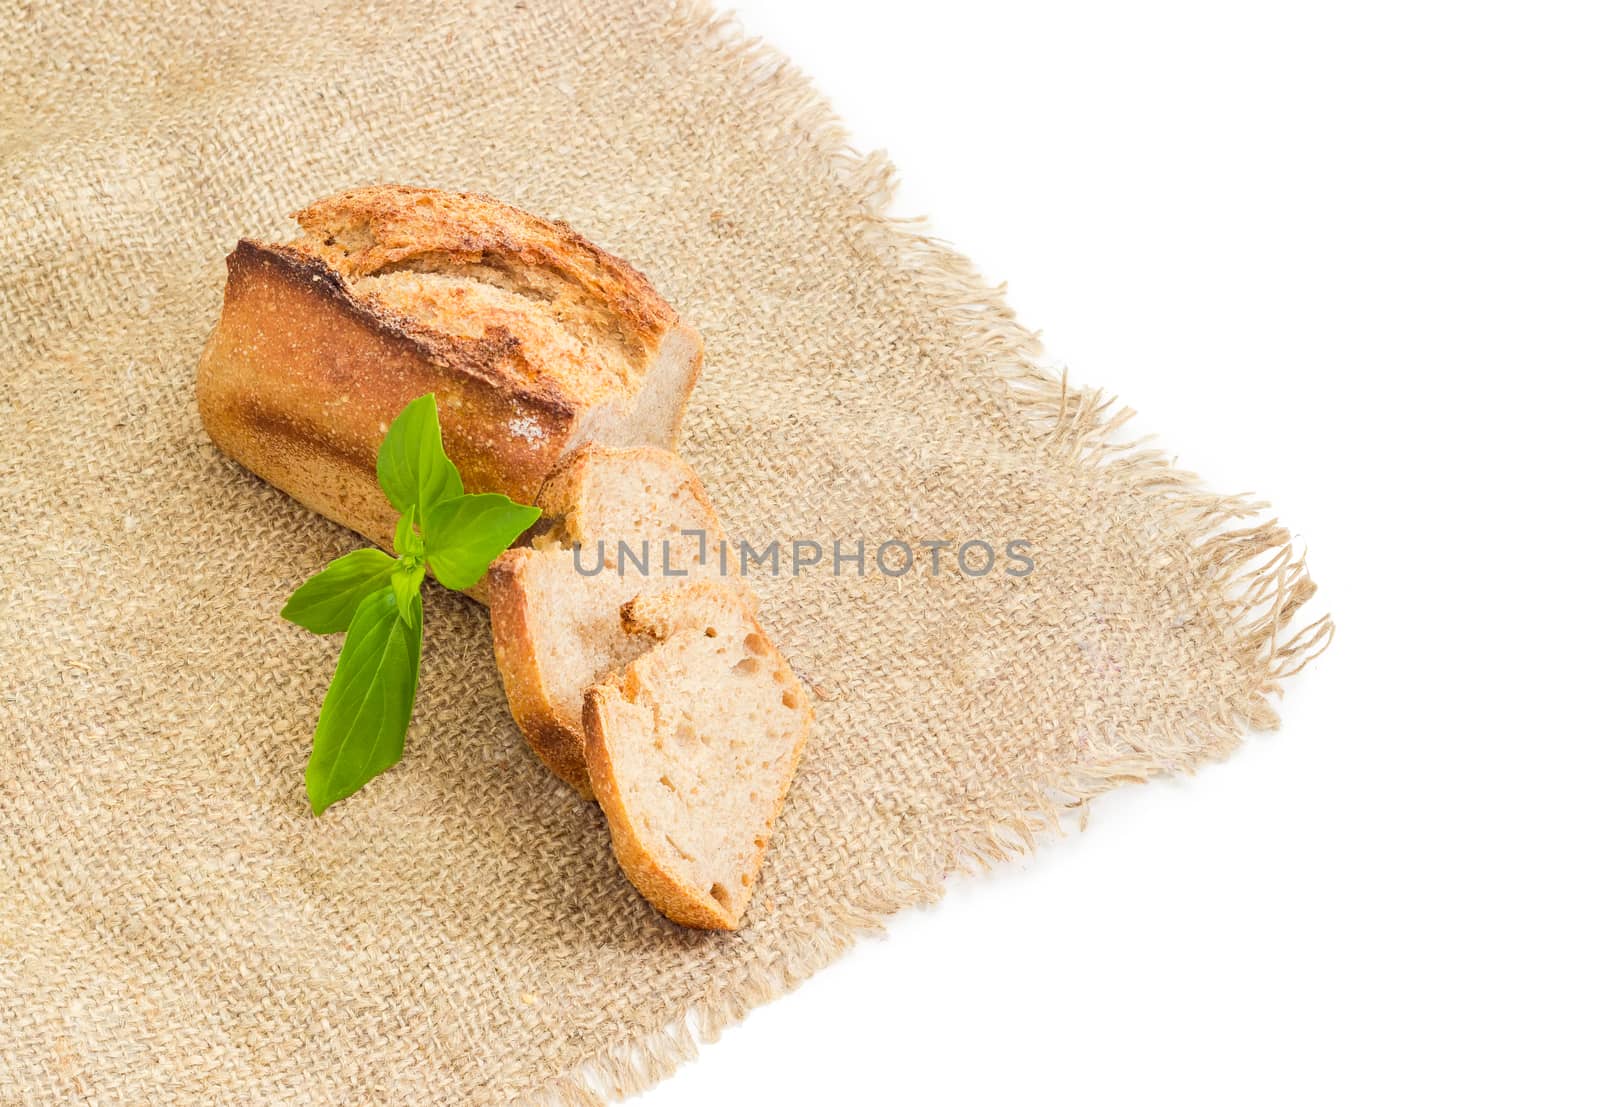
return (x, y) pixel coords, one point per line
(516, 656)
(401, 223)
(314, 354)
(516, 633)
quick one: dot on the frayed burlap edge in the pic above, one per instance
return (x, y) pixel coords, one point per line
(1256, 566)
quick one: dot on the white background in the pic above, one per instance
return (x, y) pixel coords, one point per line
(1344, 256)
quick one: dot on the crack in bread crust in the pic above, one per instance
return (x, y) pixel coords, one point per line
(484, 358)
(558, 277)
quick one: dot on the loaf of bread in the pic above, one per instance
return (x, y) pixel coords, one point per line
(557, 631)
(534, 340)
(561, 379)
(691, 748)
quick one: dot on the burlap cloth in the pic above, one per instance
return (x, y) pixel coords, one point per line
(175, 927)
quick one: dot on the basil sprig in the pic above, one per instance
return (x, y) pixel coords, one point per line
(376, 601)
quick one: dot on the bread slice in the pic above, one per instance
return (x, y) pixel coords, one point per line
(691, 749)
(534, 340)
(557, 631)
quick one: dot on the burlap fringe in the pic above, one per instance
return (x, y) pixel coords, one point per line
(1256, 566)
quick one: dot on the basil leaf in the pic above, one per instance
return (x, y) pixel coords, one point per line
(327, 602)
(467, 533)
(362, 728)
(407, 582)
(412, 466)
(407, 542)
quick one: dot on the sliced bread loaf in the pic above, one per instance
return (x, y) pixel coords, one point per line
(558, 631)
(691, 749)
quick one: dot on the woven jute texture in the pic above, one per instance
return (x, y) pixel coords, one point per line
(175, 926)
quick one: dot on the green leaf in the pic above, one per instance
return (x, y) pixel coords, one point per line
(362, 728)
(412, 466)
(407, 582)
(327, 602)
(465, 534)
(407, 542)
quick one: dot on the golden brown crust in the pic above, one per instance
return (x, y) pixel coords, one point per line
(400, 222)
(299, 383)
(553, 304)
(316, 350)
(516, 653)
